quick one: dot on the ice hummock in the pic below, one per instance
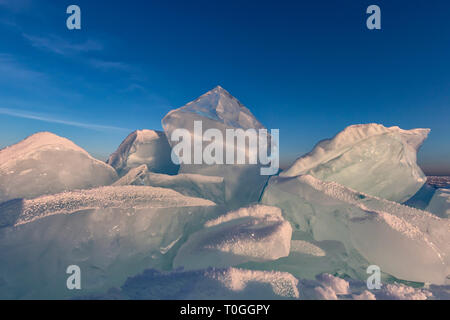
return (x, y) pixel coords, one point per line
(370, 158)
(45, 163)
(256, 233)
(219, 110)
(407, 243)
(109, 232)
(308, 225)
(143, 147)
(219, 106)
(189, 184)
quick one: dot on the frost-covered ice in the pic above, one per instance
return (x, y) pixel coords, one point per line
(407, 243)
(257, 233)
(110, 232)
(147, 147)
(404, 292)
(229, 283)
(440, 203)
(369, 158)
(308, 248)
(329, 287)
(45, 163)
(338, 285)
(219, 110)
(282, 283)
(239, 283)
(255, 211)
(189, 184)
(365, 295)
(325, 293)
(123, 197)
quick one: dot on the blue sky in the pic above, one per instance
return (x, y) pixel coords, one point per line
(309, 68)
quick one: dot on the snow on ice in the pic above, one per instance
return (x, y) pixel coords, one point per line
(45, 163)
(256, 233)
(109, 232)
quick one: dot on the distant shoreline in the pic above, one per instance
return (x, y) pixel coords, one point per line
(439, 181)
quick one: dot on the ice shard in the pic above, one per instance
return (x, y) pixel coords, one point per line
(217, 109)
(370, 158)
(147, 147)
(188, 184)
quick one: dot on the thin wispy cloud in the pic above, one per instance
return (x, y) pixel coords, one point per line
(134, 87)
(110, 65)
(8, 22)
(15, 5)
(11, 69)
(46, 118)
(61, 46)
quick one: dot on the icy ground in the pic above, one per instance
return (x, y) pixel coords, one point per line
(237, 283)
